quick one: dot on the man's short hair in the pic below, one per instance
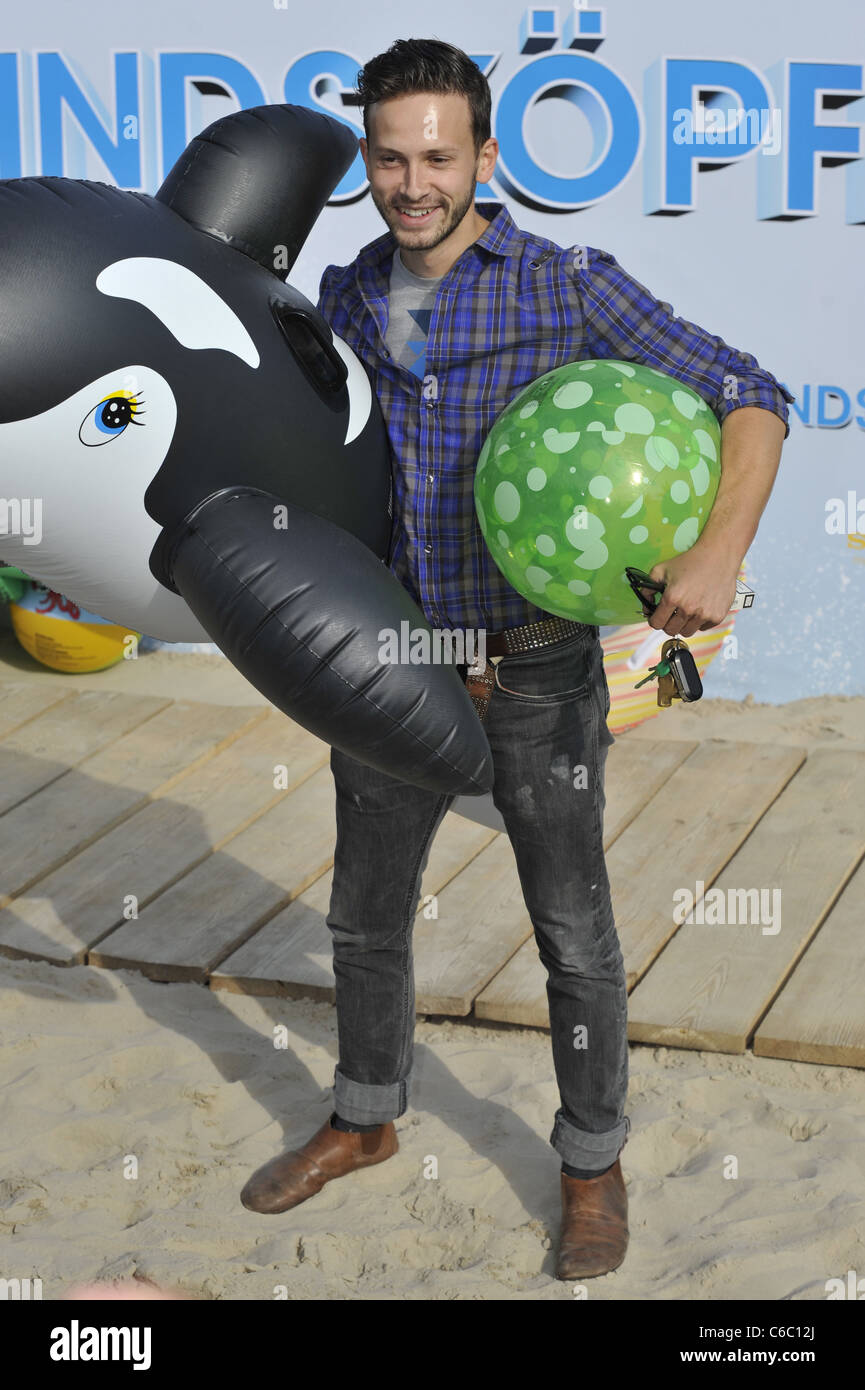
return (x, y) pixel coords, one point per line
(426, 65)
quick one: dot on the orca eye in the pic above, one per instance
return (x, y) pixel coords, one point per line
(110, 417)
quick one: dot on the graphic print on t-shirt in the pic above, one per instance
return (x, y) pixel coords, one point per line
(411, 301)
(417, 346)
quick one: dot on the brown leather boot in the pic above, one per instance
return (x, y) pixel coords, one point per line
(594, 1225)
(299, 1173)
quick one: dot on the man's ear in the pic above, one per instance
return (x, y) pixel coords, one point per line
(490, 151)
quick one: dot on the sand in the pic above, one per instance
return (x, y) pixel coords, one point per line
(133, 1112)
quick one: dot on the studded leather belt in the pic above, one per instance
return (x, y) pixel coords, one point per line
(508, 642)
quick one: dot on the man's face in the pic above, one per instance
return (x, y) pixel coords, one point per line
(421, 155)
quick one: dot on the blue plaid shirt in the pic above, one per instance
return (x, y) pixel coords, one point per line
(500, 321)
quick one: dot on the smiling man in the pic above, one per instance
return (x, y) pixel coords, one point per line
(427, 199)
(454, 312)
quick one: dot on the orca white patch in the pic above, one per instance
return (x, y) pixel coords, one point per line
(359, 391)
(89, 461)
(188, 307)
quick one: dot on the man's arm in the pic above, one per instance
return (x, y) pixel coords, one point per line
(701, 582)
(623, 320)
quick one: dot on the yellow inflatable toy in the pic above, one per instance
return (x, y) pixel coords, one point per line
(59, 634)
(629, 651)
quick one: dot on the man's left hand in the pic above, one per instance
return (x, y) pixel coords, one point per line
(700, 589)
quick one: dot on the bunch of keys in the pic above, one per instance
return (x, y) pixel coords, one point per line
(677, 674)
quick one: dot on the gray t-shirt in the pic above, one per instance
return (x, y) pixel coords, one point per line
(410, 305)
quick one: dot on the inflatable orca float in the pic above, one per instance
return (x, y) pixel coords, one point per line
(210, 458)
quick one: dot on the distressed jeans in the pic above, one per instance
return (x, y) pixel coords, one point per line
(547, 728)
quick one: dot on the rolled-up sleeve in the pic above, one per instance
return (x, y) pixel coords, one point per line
(623, 320)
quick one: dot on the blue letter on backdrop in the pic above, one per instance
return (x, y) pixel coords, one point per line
(308, 78)
(608, 106)
(58, 86)
(786, 186)
(670, 87)
(176, 70)
(10, 130)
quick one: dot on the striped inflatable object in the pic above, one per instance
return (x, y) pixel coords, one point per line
(629, 651)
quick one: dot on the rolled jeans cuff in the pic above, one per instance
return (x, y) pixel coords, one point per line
(580, 1149)
(364, 1104)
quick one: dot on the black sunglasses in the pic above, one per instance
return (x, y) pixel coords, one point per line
(638, 580)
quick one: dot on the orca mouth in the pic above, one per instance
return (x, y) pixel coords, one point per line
(299, 609)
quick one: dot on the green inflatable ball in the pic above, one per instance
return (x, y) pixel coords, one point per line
(593, 467)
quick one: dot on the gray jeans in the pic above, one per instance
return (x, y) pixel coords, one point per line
(547, 728)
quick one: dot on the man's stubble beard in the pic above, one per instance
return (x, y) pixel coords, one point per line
(455, 217)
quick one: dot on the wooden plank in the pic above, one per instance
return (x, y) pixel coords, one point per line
(715, 980)
(76, 905)
(67, 815)
(517, 992)
(456, 843)
(819, 1015)
(482, 920)
(689, 829)
(64, 735)
(292, 954)
(636, 771)
(196, 923)
(21, 703)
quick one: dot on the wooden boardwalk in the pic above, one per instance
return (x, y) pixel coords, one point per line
(195, 842)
